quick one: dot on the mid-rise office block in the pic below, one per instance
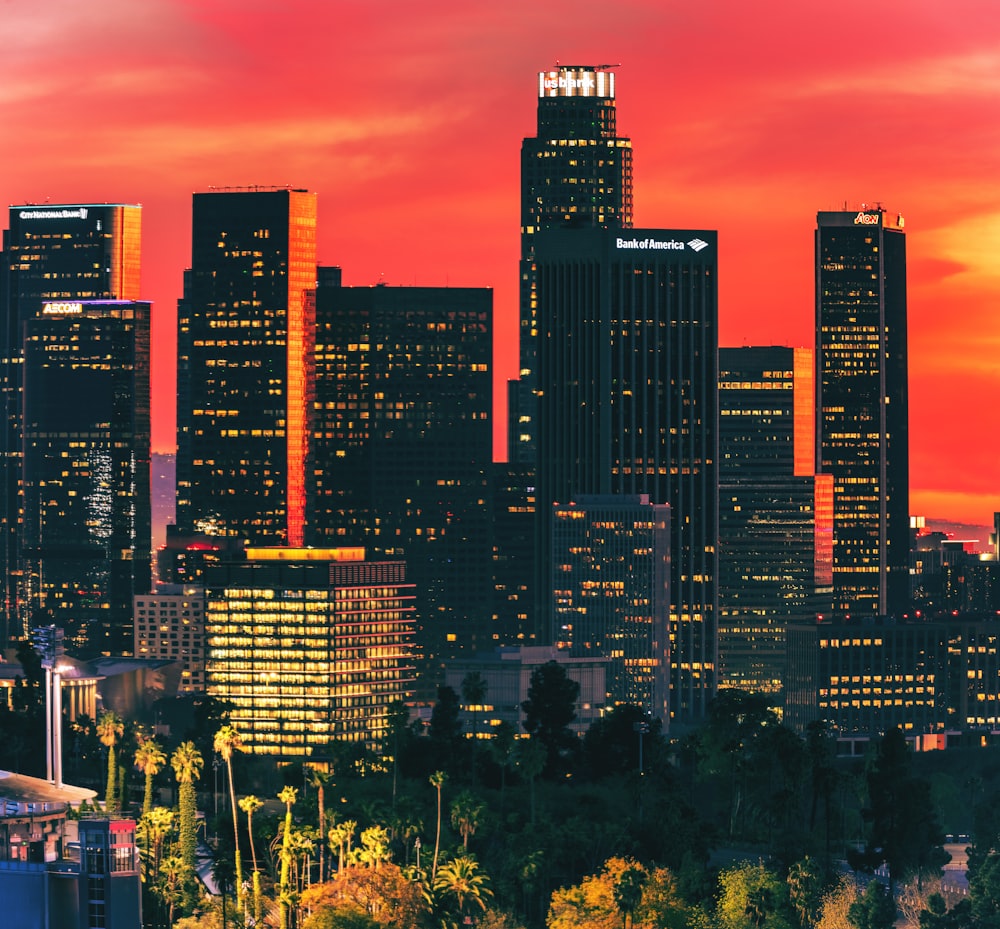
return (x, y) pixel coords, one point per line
(627, 374)
(309, 647)
(245, 365)
(611, 597)
(862, 400)
(170, 625)
(513, 497)
(403, 447)
(51, 253)
(85, 536)
(576, 171)
(775, 512)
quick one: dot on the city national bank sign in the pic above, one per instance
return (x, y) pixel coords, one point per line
(649, 244)
(75, 213)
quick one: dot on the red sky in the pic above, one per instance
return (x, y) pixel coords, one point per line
(407, 119)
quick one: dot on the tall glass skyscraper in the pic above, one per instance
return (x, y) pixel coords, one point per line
(85, 536)
(576, 171)
(403, 446)
(862, 398)
(627, 371)
(246, 328)
(775, 512)
(51, 253)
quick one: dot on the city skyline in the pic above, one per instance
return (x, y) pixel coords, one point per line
(408, 126)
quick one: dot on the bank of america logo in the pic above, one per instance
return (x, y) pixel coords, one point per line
(698, 244)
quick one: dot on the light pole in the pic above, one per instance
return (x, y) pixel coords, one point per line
(640, 729)
(416, 846)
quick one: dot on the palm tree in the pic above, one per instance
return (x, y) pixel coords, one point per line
(287, 796)
(228, 740)
(149, 759)
(628, 892)
(466, 814)
(531, 758)
(462, 880)
(187, 764)
(320, 780)
(374, 846)
(437, 780)
(250, 804)
(170, 884)
(110, 729)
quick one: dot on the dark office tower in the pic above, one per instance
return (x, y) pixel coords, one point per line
(576, 171)
(862, 399)
(403, 446)
(66, 252)
(246, 326)
(775, 512)
(610, 583)
(627, 405)
(85, 539)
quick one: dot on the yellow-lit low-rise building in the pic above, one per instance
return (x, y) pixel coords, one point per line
(309, 646)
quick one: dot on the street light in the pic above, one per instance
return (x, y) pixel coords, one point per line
(416, 846)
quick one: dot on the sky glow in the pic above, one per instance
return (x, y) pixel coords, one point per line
(407, 120)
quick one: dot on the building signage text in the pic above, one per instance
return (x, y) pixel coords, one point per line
(78, 213)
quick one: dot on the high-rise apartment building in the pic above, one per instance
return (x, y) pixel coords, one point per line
(862, 401)
(85, 535)
(51, 253)
(403, 446)
(245, 365)
(775, 512)
(309, 647)
(627, 375)
(610, 587)
(576, 171)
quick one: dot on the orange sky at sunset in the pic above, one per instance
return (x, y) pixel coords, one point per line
(407, 119)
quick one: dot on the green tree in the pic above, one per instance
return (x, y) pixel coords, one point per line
(474, 694)
(249, 805)
(805, 890)
(531, 757)
(150, 760)
(461, 881)
(437, 781)
(628, 892)
(228, 740)
(287, 796)
(836, 903)
(187, 764)
(110, 729)
(549, 711)
(466, 814)
(904, 830)
(374, 846)
(502, 749)
(751, 895)
(874, 909)
(320, 780)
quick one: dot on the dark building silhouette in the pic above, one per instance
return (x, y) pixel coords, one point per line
(244, 365)
(775, 512)
(861, 383)
(403, 447)
(627, 374)
(85, 540)
(513, 495)
(611, 597)
(576, 171)
(51, 253)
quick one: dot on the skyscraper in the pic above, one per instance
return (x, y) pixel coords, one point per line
(575, 172)
(627, 376)
(85, 539)
(862, 398)
(51, 253)
(403, 446)
(775, 512)
(610, 568)
(245, 366)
